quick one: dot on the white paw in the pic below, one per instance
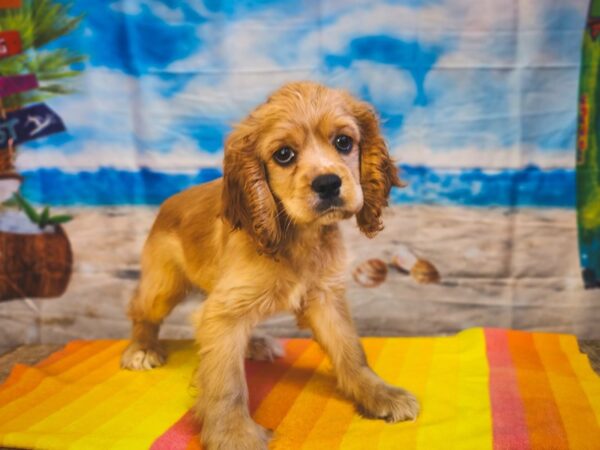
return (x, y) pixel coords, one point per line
(137, 358)
(264, 348)
(389, 403)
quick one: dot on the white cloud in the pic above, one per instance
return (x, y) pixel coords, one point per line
(476, 157)
(242, 61)
(158, 8)
(127, 7)
(181, 157)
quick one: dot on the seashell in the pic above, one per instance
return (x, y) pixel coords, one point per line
(421, 270)
(403, 258)
(370, 273)
(424, 272)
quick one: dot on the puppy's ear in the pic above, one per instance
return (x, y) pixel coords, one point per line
(378, 172)
(247, 200)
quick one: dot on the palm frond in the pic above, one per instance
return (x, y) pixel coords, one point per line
(41, 22)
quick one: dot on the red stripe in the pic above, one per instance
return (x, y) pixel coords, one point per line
(542, 413)
(261, 378)
(508, 414)
(179, 434)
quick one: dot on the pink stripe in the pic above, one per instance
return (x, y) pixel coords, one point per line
(260, 382)
(508, 414)
(179, 434)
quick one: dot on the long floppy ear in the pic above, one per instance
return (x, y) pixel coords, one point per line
(378, 172)
(247, 200)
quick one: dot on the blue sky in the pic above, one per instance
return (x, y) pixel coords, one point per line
(457, 83)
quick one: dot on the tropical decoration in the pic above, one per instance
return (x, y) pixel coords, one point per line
(588, 152)
(35, 253)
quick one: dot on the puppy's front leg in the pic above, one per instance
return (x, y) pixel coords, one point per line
(223, 333)
(328, 316)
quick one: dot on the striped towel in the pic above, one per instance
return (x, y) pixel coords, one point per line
(479, 389)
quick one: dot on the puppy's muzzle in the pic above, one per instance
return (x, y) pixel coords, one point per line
(328, 188)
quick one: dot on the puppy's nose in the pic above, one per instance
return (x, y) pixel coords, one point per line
(327, 186)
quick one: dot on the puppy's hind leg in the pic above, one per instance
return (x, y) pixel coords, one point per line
(263, 347)
(162, 285)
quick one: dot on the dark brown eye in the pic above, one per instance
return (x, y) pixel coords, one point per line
(284, 156)
(343, 143)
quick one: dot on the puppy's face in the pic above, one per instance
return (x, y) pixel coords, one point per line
(310, 149)
(309, 155)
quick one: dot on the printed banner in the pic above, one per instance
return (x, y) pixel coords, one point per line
(17, 83)
(29, 123)
(588, 152)
(10, 3)
(10, 43)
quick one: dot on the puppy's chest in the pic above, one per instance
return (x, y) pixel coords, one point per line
(307, 279)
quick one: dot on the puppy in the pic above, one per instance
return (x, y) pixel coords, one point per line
(265, 239)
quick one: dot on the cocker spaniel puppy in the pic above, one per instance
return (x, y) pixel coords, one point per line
(265, 239)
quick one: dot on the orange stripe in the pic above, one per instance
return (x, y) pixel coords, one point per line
(19, 369)
(541, 411)
(339, 412)
(575, 409)
(69, 349)
(329, 426)
(278, 402)
(30, 377)
(262, 377)
(27, 410)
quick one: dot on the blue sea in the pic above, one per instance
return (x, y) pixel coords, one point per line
(529, 186)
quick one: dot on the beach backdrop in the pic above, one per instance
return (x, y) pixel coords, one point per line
(478, 103)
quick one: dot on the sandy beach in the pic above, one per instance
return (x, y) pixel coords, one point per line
(499, 268)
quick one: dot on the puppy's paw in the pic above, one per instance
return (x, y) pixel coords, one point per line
(264, 348)
(389, 403)
(137, 357)
(246, 436)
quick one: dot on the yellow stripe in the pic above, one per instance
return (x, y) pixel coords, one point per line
(339, 413)
(436, 427)
(138, 414)
(473, 409)
(412, 376)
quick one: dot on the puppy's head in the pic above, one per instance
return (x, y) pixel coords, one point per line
(308, 156)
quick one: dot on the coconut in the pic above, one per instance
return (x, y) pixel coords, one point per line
(9, 184)
(13, 221)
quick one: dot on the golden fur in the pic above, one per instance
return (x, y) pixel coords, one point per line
(257, 243)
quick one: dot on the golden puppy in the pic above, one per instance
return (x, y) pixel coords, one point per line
(265, 239)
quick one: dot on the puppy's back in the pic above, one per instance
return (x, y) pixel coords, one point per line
(189, 228)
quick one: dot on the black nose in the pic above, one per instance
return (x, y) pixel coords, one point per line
(327, 186)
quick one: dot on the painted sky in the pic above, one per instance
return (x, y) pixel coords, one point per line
(458, 83)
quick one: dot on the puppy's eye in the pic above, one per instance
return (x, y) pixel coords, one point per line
(343, 143)
(284, 156)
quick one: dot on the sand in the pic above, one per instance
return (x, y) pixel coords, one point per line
(499, 268)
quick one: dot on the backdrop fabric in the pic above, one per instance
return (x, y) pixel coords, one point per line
(478, 104)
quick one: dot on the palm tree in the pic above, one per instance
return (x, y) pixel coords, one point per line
(39, 22)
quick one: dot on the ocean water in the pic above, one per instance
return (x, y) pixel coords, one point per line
(529, 186)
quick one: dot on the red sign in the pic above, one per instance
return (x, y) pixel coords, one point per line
(594, 26)
(10, 43)
(17, 83)
(583, 128)
(10, 3)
